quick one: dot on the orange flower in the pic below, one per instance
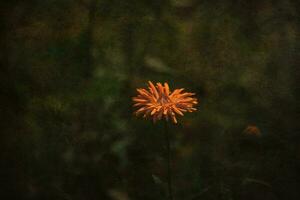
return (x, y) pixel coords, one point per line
(159, 102)
(252, 130)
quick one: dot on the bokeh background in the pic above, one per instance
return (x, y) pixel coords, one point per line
(70, 67)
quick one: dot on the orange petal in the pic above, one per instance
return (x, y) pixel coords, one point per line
(140, 110)
(160, 88)
(167, 89)
(153, 111)
(139, 100)
(177, 110)
(143, 92)
(137, 104)
(174, 119)
(177, 91)
(165, 111)
(153, 89)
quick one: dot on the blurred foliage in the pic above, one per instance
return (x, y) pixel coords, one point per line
(70, 67)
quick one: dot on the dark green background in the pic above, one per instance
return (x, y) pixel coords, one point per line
(70, 67)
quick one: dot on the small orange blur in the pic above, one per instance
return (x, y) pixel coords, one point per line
(252, 130)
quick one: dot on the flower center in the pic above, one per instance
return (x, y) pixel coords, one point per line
(164, 100)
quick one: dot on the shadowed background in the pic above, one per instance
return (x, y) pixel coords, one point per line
(70, 67)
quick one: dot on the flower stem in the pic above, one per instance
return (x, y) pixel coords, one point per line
(168, 147)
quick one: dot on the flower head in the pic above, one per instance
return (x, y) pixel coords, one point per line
(252, 130)
(159, 102)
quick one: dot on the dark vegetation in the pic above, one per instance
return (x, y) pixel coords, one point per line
(70, 67)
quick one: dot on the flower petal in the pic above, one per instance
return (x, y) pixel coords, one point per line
(153, 89)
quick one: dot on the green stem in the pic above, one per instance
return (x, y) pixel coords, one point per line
(169, 176)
